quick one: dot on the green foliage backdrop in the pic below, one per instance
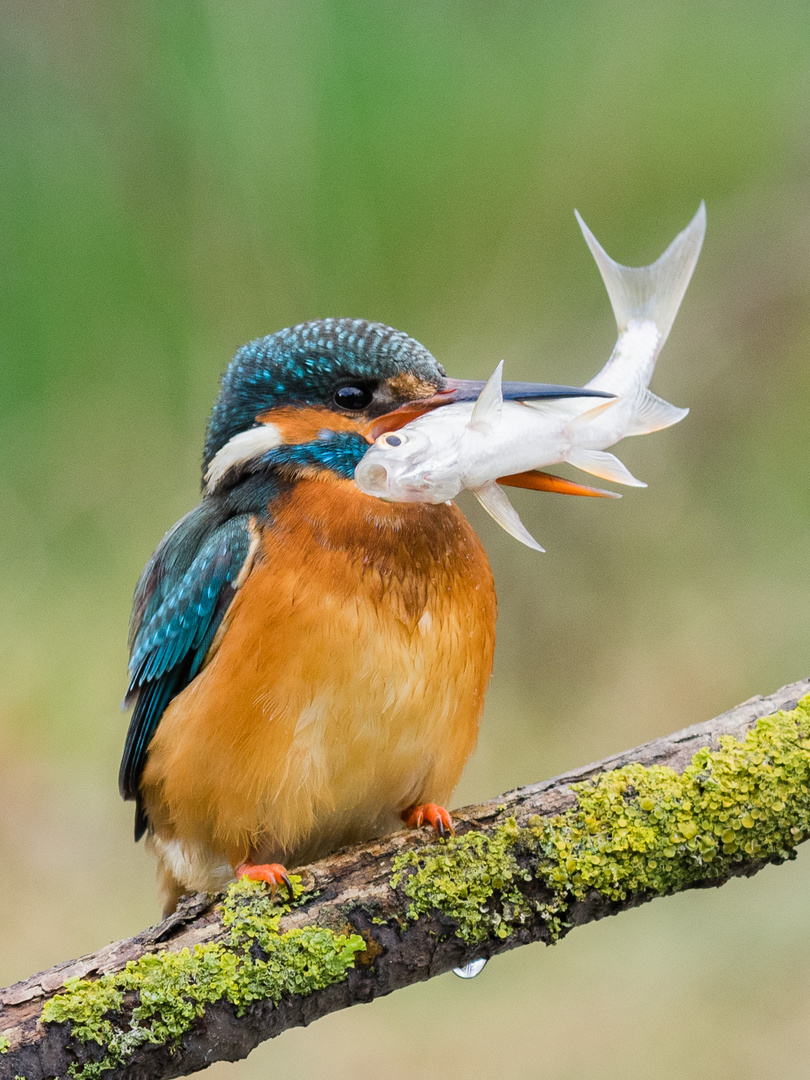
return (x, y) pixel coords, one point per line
(177, 178)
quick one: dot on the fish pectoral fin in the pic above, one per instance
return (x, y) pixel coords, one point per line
(605, 466)
(497, 505)
(654, 414)
(489, 407)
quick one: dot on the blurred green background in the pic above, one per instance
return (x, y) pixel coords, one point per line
(177, 178)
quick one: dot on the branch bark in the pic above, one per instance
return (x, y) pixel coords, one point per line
(372, 890)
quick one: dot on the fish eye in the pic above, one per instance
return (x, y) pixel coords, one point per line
(352, 396)
(392, 440)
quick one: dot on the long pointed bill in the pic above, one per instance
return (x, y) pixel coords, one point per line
(470, 389)
(455, 390)
(543, 481)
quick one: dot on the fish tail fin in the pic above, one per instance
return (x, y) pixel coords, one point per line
(650, 292)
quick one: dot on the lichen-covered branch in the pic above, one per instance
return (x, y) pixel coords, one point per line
(716, 800)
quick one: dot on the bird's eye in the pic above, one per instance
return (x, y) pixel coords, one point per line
(353, 397)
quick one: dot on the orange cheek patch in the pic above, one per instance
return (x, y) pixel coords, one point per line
(303, 425)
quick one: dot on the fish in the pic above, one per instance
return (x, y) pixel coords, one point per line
(484, 445)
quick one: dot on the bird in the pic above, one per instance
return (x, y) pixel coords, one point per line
(308, 664)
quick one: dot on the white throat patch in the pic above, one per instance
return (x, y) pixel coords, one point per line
(242, 447)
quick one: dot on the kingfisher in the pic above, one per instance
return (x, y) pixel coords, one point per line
(308, 663)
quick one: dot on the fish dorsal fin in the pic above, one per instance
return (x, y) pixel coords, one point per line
(654, 414)
(605, 466)
(497, 505)
(489, 407)
(652, 292)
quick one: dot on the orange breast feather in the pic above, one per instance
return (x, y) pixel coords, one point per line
(347, 686)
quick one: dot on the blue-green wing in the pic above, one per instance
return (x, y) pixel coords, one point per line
(179, 603)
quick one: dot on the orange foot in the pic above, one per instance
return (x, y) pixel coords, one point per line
(273, 873)
(429, 814)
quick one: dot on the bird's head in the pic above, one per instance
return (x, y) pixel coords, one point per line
(310, 399)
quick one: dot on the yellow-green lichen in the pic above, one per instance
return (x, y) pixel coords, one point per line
(170, 990)
(5, 1045)
(637, 830)
(460, 878)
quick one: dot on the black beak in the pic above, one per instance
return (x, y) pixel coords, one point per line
(453, 390)
(470, 389)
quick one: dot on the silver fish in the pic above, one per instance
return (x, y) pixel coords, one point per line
(474, 445)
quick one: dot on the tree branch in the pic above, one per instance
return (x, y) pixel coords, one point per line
(223, 974)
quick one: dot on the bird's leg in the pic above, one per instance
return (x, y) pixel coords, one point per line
(272, 873)
(429, 814)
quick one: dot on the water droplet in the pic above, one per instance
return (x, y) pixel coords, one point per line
(469, 971)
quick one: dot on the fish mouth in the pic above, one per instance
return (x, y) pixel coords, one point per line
(372, 478)
(455, 390)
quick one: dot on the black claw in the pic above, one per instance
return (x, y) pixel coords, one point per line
(288, 887)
